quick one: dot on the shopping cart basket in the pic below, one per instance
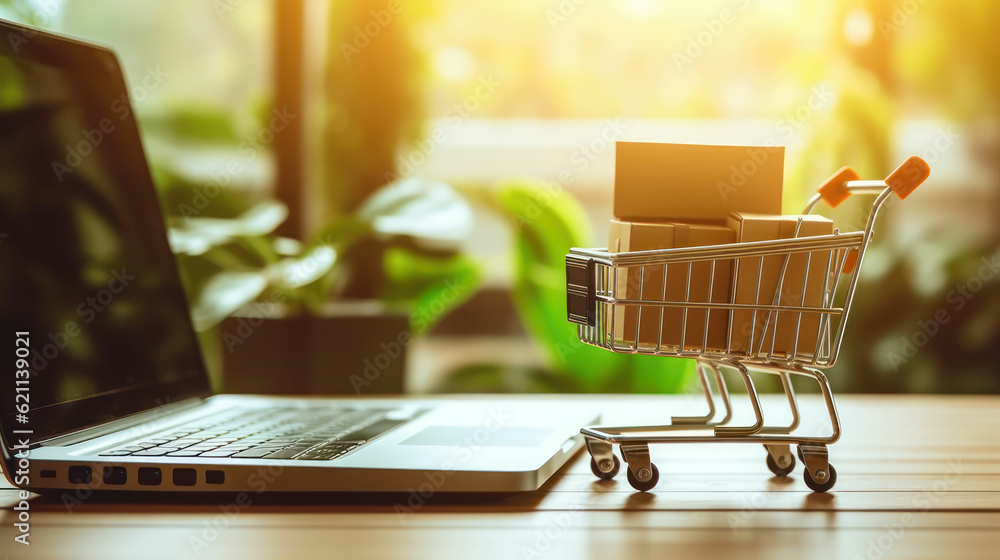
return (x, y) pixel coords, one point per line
(598, 297)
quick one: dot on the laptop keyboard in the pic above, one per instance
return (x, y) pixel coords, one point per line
(304, 434)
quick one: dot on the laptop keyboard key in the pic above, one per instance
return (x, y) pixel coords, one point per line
(315, 433)
(253, 454)
(288, 453)
(318, 455)
(151, 452)
(218, 454)
(326, 452)
(184, 453)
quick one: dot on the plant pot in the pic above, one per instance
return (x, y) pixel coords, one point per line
(349, 347)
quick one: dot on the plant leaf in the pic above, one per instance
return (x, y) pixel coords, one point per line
(223, 294)
(547, 222)
(195, 236)
(433, 213)
(435, 286)
(291, 273)
(204, 124)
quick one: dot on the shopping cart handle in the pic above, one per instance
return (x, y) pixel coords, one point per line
(908, 176)
(834, 190)
(903, 181)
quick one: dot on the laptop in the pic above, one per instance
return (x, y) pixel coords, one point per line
(104, 386)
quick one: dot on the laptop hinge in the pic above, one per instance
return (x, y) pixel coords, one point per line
(154, 414)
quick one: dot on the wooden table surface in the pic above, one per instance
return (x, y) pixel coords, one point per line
(919, 477)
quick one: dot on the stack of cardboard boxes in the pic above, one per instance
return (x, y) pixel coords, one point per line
(680, 195)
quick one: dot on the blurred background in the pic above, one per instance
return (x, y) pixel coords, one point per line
(373, 196)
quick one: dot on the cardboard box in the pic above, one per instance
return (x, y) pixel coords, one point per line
(648, 283)
(781, 328)
(691, 183)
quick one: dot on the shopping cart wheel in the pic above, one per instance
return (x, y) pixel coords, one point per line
(780, 471)
(615, 466)
(821, 486)
(647, 485)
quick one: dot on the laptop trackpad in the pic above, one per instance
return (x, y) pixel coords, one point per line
(526, 436)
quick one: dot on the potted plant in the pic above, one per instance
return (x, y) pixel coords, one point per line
(546, 221)
(333, 313)
(276, 307)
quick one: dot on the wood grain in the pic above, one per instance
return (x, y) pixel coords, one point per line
(919, 477)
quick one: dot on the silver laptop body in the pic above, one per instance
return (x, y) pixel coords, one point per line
(110, 392)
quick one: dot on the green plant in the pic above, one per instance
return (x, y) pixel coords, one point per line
(545, 223)
(401, 243)
(228, 263)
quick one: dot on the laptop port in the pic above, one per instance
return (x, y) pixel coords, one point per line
(115, 475)
(150, 476)
(215, 477)
(80, 474)
(185, 477)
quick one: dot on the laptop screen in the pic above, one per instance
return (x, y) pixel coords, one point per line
(91, 305)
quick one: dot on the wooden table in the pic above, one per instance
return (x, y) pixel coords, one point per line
(919, 477)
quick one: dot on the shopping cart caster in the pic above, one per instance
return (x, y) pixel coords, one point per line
(651, 473)
(820, 475)
(826, 484)
(612, 466)
(780, 460)
(603, 462)
(642, 473)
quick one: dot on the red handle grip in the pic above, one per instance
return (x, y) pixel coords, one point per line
(833, 189)
(908, 176)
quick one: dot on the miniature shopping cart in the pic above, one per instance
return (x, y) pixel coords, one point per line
(599, 301)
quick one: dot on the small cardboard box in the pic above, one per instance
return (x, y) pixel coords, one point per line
(691, 183)
(757, 227)
(648, 283)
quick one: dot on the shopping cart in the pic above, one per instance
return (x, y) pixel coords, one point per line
(598, 297)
